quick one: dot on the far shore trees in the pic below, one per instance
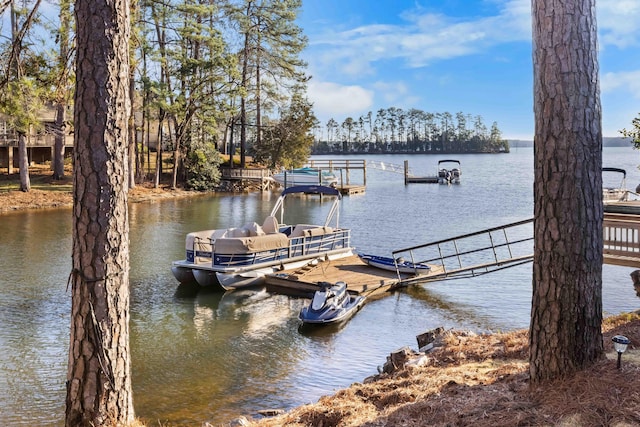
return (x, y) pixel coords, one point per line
(394, 130)
(566, 314)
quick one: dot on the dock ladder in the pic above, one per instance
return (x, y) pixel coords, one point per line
(472, 254)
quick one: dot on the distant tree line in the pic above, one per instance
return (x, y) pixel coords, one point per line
(394, 130)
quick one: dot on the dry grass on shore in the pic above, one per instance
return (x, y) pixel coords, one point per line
(48, 193)
(482, 381)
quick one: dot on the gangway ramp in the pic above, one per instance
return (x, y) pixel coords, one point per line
(387, 167)
(472, 254)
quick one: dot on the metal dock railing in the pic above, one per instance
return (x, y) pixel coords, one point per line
(472, 254)
(510, 245)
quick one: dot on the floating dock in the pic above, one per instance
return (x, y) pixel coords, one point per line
(361, 278)
(410, 179)
(484, 252)
(348, 190)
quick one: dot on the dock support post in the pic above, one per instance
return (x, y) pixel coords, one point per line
(406, 171)
(364, 172)
(9, 159)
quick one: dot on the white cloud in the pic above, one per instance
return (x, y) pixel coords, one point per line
(424, 39)
(397, 94)
(628, 81)
(618, 22)
(332, 100)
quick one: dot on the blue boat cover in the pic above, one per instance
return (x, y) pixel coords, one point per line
(312, 189)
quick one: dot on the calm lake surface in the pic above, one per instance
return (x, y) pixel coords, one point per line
(206, 356)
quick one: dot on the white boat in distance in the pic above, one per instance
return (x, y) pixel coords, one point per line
(449, 174)
(240, 257)
(306, 176)
(615, 194)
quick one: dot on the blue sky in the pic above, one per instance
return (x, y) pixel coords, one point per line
(470, 56)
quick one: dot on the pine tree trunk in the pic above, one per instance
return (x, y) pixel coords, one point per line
(59, 140)
(99, 372)
(131, 128)
(61, 103)
(158, 175)
(23, 161)
(566, 313)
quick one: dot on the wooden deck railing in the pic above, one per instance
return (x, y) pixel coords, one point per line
(621, 239)
(245, 173)
(338, 164)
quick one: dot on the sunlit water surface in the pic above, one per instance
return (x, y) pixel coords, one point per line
(206, 356)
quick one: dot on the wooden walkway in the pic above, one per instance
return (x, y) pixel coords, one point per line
(263, 176)
(349, 190)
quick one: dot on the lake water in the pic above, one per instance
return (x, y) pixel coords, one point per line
(207, 356)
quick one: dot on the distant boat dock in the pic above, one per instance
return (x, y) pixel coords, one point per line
(345, 168)
(409, 176)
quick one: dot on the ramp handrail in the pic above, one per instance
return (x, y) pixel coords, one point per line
(333, 164)
(387, 167)
(487, 250)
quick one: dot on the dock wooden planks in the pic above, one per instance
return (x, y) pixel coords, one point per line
(360, 278)
(348, 190)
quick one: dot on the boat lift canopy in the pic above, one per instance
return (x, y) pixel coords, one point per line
(449, 161)
(622, 171)
(312, 189)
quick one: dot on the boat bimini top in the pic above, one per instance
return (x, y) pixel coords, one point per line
(310, 189)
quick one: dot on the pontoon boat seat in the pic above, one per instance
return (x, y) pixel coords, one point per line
(309, 230)
(270, 225)
(198, 245)
(244, 245)
(254, 229)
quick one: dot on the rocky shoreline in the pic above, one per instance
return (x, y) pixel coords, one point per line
(466, 379)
